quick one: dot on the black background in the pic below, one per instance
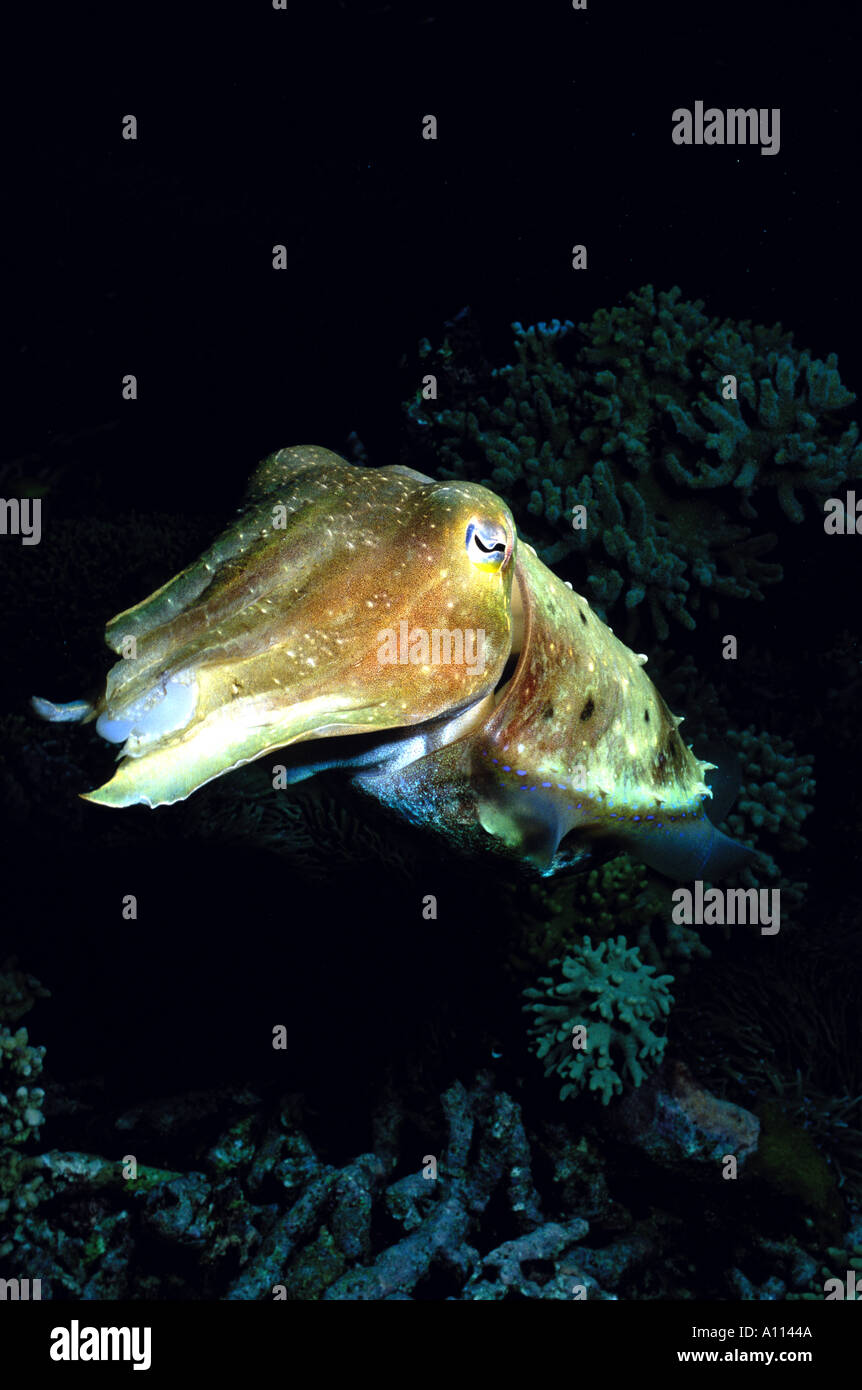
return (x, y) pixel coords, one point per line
(303, 127)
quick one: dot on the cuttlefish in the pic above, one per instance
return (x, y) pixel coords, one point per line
(378, 621)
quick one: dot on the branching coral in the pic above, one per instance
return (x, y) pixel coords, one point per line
(609, 991)
(610, 897)
(617, 896)
(629, 420)
(21, 1115)
(604, 901)
(774, 799)
(843, 1271)
(20, 1064)
(776, 788)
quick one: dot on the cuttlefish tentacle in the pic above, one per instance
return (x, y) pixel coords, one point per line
(555, 740)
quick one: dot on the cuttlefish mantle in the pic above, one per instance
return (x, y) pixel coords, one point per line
(396, 626)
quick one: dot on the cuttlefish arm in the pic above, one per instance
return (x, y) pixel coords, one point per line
(579, 747)
(273, 637)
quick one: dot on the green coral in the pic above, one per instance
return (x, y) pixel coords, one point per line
(605, 900)
(610, 991)
(21, 1115)
(776, 788)
(775, 797)
(629, 420)
(843, 1259)
(622, 895)
(611, 896)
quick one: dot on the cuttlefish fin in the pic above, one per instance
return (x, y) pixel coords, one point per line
(688, 850)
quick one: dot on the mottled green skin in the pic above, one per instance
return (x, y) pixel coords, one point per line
(581, 741)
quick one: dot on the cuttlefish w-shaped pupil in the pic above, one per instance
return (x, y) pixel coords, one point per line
(487, 544)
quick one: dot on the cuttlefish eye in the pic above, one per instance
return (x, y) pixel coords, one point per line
(488, 544)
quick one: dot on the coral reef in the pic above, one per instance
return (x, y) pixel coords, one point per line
(511, 1212)
(629, 420)
(20, 1064)
(845, 1266)
(617, 999)
(772, 804)
(243, 1192)
(609, 899)
(21, 1116)
(618, 896)
(265, 1217)
(774, 799)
